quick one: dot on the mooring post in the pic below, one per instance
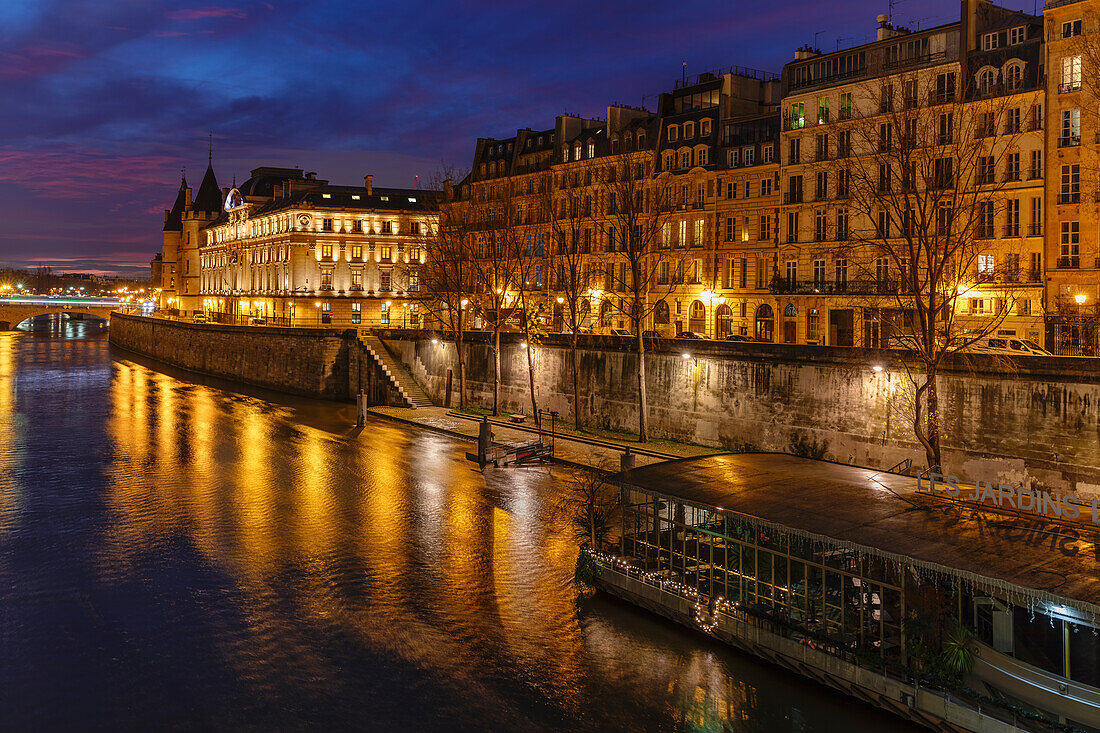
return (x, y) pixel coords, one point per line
(484, 440)
(626, 460)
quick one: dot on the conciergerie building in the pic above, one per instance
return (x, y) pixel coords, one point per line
(289, 248)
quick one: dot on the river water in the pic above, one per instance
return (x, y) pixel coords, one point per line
(176, 555)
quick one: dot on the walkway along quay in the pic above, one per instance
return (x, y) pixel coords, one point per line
(956, 614)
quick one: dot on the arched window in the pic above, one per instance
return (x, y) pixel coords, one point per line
(765, 323)
(986, 80)
(660, 313)
(1014, 76)
(790, 311)
(605, 314)
(697, 317)
(723, 321)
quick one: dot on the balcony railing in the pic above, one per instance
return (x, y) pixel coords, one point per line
(1069, 198)
(1069, 141)
(1069, 262)
(1068, 87)
(941, 97)
(1035, 230)
(829, 287)
(792, 197)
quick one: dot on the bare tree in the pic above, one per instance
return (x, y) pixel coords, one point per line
(633, 212)
(562, 206)
(921, 171)
(449, 276)
(591, 504)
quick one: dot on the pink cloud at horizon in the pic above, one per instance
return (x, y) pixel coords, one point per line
(207, 12)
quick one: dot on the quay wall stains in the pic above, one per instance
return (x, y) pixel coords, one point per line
(1031, 423)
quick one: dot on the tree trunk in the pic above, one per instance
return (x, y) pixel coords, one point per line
(935, 456)
(643, 419)
(531, 380)
(461, 373)
(496, 373)
(577, 417)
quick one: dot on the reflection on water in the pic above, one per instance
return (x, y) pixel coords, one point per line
(175, 555)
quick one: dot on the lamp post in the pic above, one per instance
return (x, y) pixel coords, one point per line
(317, 305)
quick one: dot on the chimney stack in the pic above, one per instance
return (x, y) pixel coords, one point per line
(166, 212)
(188, 196)
(368, 183)
(448, 189)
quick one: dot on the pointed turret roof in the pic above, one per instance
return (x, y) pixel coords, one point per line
(209, 196)
(174, 222)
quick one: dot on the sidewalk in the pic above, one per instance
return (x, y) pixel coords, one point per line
(565, 450)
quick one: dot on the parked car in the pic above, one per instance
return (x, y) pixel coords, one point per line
(737, 337)
(690, 335)
(652, 334)
(620, 332)
(257, 321)
(1005, 345)
(198, 318)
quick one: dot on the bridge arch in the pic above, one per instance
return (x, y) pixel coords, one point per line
(13, 314)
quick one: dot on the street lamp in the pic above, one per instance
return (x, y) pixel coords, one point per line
(1080, 298)
(317, 305)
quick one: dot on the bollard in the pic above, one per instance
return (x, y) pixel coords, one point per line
(360, 410)
(626, 460)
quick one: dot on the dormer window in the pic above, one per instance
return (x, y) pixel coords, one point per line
(591, 149)
(989, 42)
(1016, 36)
(689, 130)
(673, 133)
(326, 195)
(1071, 28)
(355, 197)
(565, 153)
(641, 139)
(704, 128)
(577, 151)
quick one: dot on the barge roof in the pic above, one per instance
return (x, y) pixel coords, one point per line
(883, 513)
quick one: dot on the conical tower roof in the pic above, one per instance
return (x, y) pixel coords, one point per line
(209, 196)
(174, 222)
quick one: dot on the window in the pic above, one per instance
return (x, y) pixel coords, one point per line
(1070, 247)
(384, 314)
(1071, 74)
(1070, 192)
(357, 251)
(1012, 121)
(1036, 227)
(673, 133)
(798, 115)
(414, 227)
(356, 312)
(822, 110)
(326, 251)
(1016, 36)
(1012, 218)
(841, 225)
(791, 273)
(845, 106)
(689, 130)
(984, 228)
(821, 191)
(326, 279)
(1036, 170)
(989, 41)
(387, 227)
(385, 280)
(681, 238)
(697, 272)
(841, 270)
(819, 272)
(813, 325)
(986, 266)
(986, 80)
(735, 158)
(794, 150)
(842, 178)
(731, 228)
(1014, 77)
(1071, 28)
(766, 153)
(945, 88)
(326, 225)
(765, 227)
(792, 226)
(577, 151)
(765, 187)
(704, 128)
(357, 226)
(386, 253)
(414, 281)
(821, 226)
(731, 189)
(357, 279)
(750, 156)
(701, 156)
(591, 150)
(698, 239)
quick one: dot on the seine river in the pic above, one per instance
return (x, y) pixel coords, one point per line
(175, 555)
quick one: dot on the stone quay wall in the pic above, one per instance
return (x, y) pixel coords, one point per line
(1032, 421)
(319, 363)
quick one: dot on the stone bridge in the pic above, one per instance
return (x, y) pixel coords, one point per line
(16, 309)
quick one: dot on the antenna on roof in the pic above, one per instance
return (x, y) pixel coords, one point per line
(684, 73)
(416, 182)
(210, 151)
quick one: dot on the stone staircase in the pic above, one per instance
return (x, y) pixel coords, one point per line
(399, 376)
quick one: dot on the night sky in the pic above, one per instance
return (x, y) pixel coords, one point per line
(105, 101)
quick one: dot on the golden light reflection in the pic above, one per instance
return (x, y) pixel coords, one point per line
(9, 458)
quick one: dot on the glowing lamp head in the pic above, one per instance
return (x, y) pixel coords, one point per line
(1080, 298)
(686, 355)
(877, 367)
(560, 300)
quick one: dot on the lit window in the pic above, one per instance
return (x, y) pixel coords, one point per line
(326, 195)
(989, 41)
(355, 196)
(412, 200)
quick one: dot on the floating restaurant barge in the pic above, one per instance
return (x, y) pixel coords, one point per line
(867, 582)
